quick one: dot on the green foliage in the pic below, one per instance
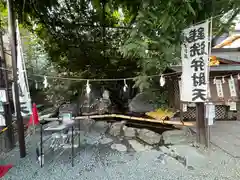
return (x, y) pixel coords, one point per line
(3, 15)
(74, 38)
(38, 66)
(158, 27)
(160, 99)
(76, 42)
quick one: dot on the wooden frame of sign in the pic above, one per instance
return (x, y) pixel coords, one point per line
(3, 95)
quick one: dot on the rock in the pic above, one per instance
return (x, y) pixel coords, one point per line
(182, 160)
(119, 147)
(87, 124)
(195, 144)
(149, 137)
(168, 151)
(116, 128)
(101, 126)
(141, 103)
(129, 132)
(175, 137)
(138, 147)
(105, 141)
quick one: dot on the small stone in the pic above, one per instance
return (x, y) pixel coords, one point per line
(190, 168)
(138, 147)
(119, 147)
(165, 150)
(161, 158)
(116, 128)
(129, 131)
(105, 141)
(182, 160)
(149, 136)
(195, 144)
(173, 154)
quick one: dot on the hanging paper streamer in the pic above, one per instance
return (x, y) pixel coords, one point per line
(184, 107)
(88, 89)
(105, 94)
(125, 87)
(219, 88)
(36, 85)
(214, 80)
(238, 77)
(3, 95)
(209, 91)
(232, 87)
(162, 81)
(2, 120)
(233, 106)
(223, 80)
(45, 82)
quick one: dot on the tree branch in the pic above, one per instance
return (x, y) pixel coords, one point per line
(224, 26)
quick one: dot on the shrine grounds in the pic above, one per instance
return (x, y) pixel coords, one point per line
(108, 155)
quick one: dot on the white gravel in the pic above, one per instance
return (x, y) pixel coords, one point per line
(95, 161)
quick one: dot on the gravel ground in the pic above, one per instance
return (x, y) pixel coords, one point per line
(95, 161)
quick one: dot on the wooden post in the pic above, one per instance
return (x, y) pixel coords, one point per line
(6, 106)
(13, 42)
(201, 125)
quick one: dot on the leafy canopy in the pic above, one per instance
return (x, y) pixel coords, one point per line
(118, 38)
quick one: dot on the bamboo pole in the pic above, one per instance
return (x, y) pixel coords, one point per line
(130, 118)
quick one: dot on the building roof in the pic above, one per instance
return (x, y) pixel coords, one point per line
(228, 49)
(220, 68)
(225, 56)
(230, 42)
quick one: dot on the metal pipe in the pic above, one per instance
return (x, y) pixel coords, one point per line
(72, 146)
